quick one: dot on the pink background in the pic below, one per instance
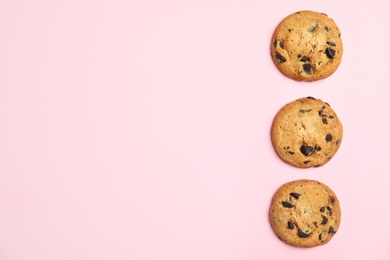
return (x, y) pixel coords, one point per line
(141, 130)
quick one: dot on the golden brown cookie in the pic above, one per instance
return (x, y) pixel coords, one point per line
(306, 133)
(305, 213)
(307, 46)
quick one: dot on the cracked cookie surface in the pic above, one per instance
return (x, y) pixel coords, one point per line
(305, 213)
(307, 46)
(306, 133)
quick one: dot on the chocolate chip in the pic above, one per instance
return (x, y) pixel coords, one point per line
(307, 68)
(331, 117)
(304, 59)
(324, 120)
(331, 231)
(320, 236)
(287, 204)
(324, 220)
(281, 44)
(292, 153)
(331, 43)
(280, 58)
(332, 199)
(290, 225)
(289, 30)
(329, 211)
(303, 234)
(307, 150)
(326, 28)
(328, 138)
(317, 148)
(322, 209)
(320, 112)
(311, 98)
(330, 53)
(295, 195)
(274, 43)
(306, 162)
(312, 28)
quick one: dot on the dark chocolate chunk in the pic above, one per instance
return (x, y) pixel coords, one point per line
(311, 98)
(328, 138)
(307, 150)
(280, 58)
(287, 204)
(324, 220)
(320, 236)
(281, 44)
(330, 53)
(322, 209)
(295, 195)
(331, 231)
(331, 43)
(304, 59)
(307, 68)
(303, 234)
(290, 225)
(324, 120)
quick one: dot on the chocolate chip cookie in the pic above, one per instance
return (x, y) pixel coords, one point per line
(307, 46)
(306, 133)
(305, 213)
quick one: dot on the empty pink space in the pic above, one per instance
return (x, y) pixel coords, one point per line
(141, 130)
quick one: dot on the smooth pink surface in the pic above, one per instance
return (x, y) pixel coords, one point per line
(141, 130)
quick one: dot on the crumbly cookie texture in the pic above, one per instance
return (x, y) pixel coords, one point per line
(305, 213)
(307, 46)
(306, 133)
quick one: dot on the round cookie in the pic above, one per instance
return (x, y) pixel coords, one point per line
(307, 46)
(305, 213)
(306, 133)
